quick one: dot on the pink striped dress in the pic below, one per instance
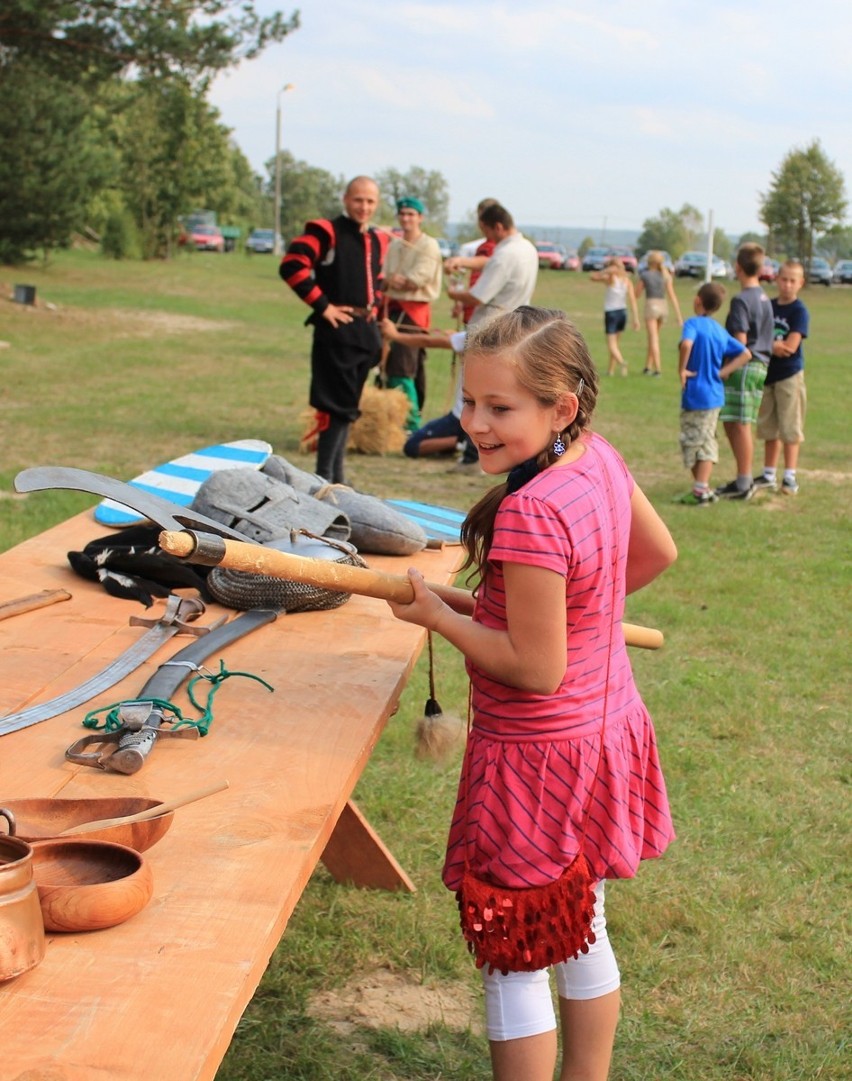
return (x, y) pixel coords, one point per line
(531, 767)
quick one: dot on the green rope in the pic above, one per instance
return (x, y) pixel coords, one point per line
(112, 720)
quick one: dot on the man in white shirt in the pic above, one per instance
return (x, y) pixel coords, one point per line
(509, 277)
(507, 281)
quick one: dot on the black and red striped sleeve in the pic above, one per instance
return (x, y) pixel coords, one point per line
(302, 255)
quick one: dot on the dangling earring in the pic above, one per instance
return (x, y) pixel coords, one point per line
(559, 447)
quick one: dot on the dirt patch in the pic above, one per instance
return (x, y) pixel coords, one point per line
(122, 322)
(828, 475)
(385, 999)
(132, 323)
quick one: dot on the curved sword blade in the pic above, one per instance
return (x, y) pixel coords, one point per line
(161, 512)
(174, 619)
(114, 672)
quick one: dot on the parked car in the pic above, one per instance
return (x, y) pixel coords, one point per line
(595, 258)
(817, 271)
(769, 270)
(571, 260)
(550, 255)
(445, 247)
(626, 256)
(667, 262)
(263, 241)
(842, 272)
(206, 238)
(693, 264)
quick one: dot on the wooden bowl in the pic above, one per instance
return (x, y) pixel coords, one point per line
(44, 818)
(89, 885)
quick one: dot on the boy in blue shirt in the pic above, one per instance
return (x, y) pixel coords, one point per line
(704, 347)
(781, 419)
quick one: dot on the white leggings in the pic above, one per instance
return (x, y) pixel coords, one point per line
(520, 1003)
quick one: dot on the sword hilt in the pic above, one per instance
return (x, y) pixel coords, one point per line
(135, 739)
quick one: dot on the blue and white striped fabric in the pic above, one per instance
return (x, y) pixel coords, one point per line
(179, 480)
(438, 523)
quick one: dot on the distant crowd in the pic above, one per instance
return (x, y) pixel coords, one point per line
(371, 295)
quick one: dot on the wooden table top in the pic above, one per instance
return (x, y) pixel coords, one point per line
(160, 995)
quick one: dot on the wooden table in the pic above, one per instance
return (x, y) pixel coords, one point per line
(158, 998)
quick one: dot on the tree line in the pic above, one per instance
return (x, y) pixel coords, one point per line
(803, 211)
(106, 128)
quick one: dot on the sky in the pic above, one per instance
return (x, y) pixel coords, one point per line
(571, 113)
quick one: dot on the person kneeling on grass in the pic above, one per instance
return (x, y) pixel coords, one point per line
(703, 348)
(443, 434)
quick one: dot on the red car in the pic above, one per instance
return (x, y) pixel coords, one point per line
(550, 255)
(769, 270)
(571, 261)
(626, 256)
(206, 238)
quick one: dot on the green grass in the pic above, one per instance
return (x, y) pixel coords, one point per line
(732, 947)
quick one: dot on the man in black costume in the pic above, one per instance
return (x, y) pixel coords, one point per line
(335, 266)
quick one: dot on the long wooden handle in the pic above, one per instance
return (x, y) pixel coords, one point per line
(255, 559)
(150, 812)
(33, 601)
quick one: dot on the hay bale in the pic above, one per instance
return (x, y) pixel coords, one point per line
(310, 431)
(381, 427)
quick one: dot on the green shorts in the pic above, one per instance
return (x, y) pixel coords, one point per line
(743, 391)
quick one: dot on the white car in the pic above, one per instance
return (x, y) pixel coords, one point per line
(693, 264)
(263, 240)
(818, 270)
(843, 272)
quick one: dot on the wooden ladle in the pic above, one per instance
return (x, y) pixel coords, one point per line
(150, 812)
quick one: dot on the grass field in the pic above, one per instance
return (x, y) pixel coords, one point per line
(734, 947)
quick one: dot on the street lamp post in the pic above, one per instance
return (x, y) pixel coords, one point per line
(276, 239)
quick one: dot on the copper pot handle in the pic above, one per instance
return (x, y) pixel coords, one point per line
(10, 818)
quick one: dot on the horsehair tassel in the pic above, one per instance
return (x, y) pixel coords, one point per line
(438, 734)
(256, 559)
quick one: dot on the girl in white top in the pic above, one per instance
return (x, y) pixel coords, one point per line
(619, 290)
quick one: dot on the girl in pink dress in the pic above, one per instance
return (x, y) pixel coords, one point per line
(561, 759)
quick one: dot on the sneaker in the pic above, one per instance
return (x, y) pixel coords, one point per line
(763, 483)
(693, 499)
(656, 374)
(789, 487)
(731, 491)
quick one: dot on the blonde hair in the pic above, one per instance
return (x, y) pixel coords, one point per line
(615, 264)
(550, 359)
(655, 260)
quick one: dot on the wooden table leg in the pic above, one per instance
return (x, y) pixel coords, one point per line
(356, 855)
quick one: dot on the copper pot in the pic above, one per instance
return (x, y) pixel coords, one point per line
(21, 923)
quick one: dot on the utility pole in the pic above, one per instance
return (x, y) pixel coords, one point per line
(276, 238)
(708, 276)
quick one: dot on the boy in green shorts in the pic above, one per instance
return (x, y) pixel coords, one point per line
(750, 321)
